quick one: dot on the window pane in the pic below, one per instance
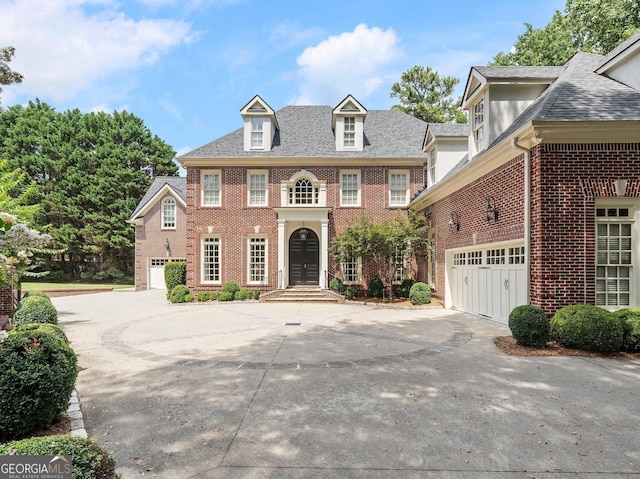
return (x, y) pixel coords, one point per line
(211, 189)
(257, 260)
(210, 259)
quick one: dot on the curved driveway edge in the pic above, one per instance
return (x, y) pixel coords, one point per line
(301, 390)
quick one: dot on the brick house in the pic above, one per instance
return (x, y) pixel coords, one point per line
(264, 201)
(545, 209)
(160, 230)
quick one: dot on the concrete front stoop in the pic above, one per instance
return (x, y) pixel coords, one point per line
(302, 294)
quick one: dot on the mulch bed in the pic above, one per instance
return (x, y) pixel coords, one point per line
(508, 345)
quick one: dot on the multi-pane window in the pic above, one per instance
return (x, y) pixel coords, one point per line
(432, 256)
(496, 256)
(401, 262)
(169, 214)
(516, 255)
(210, 260)
(478, 124)
(459, 259)
(613, 257)
(432, 167)
(349, 132)
(257, 188)
(257, 260)
(257, 132)
(211, 191)
(474, 257)
(398, 188)
(350, 271)
(303, 193)
(350, 188)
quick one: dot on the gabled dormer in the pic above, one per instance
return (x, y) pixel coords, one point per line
(496, 96)
(348, 125)
(260, 125)
(445, 144)
(623, 63)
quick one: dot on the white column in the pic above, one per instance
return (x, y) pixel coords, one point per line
(324, 252)
(282, 254)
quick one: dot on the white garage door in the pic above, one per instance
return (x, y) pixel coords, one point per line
(156, 273)
(488, 281)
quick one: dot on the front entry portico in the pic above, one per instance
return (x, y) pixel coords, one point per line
(304, 258)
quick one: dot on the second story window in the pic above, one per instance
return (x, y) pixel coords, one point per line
(398, 188)
(169, 214)
(211, 193)
(257, 188)
(257, 132)
(478, 124)
(349, 188)
(432, 167)
(303, 193)
(349, 132)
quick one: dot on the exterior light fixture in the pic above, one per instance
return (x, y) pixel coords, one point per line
(166, 244)
(303, 234)
(454, 223)
(490, 212)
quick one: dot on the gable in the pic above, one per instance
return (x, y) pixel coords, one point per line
(159, 189)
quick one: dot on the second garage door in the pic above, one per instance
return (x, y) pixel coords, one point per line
(488, 281)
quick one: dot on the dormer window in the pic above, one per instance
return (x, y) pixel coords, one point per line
(478, 125)
(260, 125)
(349, 132)
(257, 132)
(348, 125)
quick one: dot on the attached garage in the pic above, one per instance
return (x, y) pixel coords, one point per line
(488, 281)
(156, 272)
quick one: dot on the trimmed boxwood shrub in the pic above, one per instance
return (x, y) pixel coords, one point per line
(587, 327)
(225, 296)
(203, 296)
(405, 287)
(335, 284)
(35, 309)
(90, 461)
(175, 273)
(37, 375)
(256, 294)
(630, 322)
(529, 326)
(40, 294)
(179, 294)
(375, 288)
(231, 287)
(46, 327)
(214, 295)
(188, 298)
(420, 293)
(349, 293)
(243, 294)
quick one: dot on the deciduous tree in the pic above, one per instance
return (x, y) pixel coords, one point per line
(7, 76)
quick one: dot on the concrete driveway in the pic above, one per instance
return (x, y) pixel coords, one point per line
(250, 390)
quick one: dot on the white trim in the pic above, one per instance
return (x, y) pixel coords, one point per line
(266, 188)
(407, 175)
(163, 226)
(203, 173)
(203, 238)
(358, 174)
(162, 192)
(265, 242)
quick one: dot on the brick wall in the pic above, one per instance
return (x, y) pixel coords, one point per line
(6, 301)
(150, 240)
(234, 222)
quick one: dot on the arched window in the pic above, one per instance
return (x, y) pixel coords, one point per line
(168, 213)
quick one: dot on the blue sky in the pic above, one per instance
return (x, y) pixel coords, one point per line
(187, 67)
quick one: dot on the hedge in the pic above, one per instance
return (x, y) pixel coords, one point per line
(175, 273)
(35, 309)
(529, 326)
(587, 327)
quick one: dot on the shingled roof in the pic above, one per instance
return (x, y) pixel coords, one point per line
(178, 184)
(305, 132)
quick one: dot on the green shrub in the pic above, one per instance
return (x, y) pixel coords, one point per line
(256, 294)
(349, 293)
(529, 326)
(46, 327)
(178, 294)
(225, 296)
(630, 322)
(420, 293)
(214, 295)
(243, 294)
(203, 296)
(587, 327)
(335, 284)
(37, 375)
(40, 294)
(188, 298)
(35, 309)
(405, 287)
(375, 287)
(175, 273)
(90, 461)
(231, 287)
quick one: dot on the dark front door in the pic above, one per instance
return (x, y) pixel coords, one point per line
(304, 258)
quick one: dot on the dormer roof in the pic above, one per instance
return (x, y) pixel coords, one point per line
(619, 54)
(437, 131)
(162, 186)
(348, 107)
(258, 107)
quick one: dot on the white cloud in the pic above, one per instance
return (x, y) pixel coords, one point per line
(355, 62)
(65, 47)
(106, 108)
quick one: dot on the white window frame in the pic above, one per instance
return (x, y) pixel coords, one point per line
(478, 115)
(354, 264)
(251, 242)
(257, 133)
(609, 283)
(432, 166)
(431, 258)
(402, 264)
(250, 199)
(393, 198)
(217, 202)
(204, 276)
(169, 222)
(343, 188)
(349, 133)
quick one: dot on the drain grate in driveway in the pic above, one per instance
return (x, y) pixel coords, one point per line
(292, 324)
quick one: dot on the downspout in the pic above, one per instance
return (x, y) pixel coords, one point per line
(527, 214)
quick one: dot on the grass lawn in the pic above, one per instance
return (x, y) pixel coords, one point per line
(37, 286)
